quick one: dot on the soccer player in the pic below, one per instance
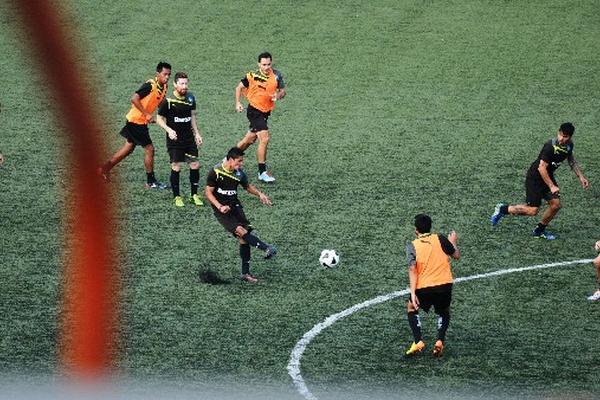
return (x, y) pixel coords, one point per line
(143, 104)
(262, 88)
(221, 191)
(596, 295)
(431, 280)
(177, 116)
(541, 184)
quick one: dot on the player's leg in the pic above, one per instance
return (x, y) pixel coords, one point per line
(247, 140)
(442, 309)
(119, 155)
(195, 179)
(261, 156)
(549, 214)
(243, 233)
(414, 322)
(174, 179)
(596, 295)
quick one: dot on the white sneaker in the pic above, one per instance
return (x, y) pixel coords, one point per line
(595, 296)
(266, 177)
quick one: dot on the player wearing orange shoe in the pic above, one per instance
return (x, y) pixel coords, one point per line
(430, 279)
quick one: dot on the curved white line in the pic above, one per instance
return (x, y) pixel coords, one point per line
(294, 363)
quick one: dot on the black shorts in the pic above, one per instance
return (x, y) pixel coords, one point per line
(183, 154)
(258, 119)
(232, 219)
(439, 297)
(536, 190)
(136, 134)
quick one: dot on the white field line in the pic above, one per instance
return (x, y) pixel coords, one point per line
(294, 363)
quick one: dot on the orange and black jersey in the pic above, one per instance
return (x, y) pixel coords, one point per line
(226, 183)
(178, 113)
(552, 153)
(429, 254)
(151, 95)
(260, 88)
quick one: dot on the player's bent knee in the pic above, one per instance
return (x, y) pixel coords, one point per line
(410, 307)
(195, 165)
(240, 231)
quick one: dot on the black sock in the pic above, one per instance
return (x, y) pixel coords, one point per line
(415, 325)
(443, 323)
(175, 182)
(194, 179)
(245, 256)
(150, 177)
(254, 241)
(540, 227)
(262, 167)
(504, 209)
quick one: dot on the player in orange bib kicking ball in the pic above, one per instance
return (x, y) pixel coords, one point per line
(431, 280)
(262, 88)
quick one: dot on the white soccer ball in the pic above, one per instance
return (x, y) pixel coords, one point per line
(329, 258)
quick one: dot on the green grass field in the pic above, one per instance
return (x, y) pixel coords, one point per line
(393, 108)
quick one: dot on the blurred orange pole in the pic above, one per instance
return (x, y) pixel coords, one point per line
(87, 342)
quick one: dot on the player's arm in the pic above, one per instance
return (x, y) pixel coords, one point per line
(575, 168)
(411, 257)
(209, 193)
(453, 251)
(162, 122)
(263, 197)
(238, 95)
(280, 91)
(196, 130)
(543, 170)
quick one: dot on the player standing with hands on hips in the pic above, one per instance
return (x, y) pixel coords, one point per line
(431, 281)
(262, 88)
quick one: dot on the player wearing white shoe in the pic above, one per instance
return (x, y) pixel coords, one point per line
(262, 88)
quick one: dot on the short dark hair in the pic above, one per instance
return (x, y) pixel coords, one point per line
(234, 153)
(162, 65)
(567, 128)
(265, 54)
(423, 223)
(180, 75)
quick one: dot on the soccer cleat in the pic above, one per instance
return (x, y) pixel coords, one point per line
(438, 349)
(270, 252)
(542, 235)
(178, 201)
(196, 200)
(266, 177)
(104, 174)
(497, 216)
(415, 348)
(156, 185)
(249, 278)
(595, 296)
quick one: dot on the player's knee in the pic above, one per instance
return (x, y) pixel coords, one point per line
(555, 206)
(195, 165)
(597, 262)
(264, 137)
(240, 231)
(410, 307)
(176, 167)
(149, 149)
(532, 211)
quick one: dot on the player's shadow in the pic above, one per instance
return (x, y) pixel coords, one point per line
(212, 278)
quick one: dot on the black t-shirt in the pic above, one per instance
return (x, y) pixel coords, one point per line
(553, 154)
(226, 184)
(178, 113)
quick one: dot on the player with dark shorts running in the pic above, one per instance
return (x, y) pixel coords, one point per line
(430, 277)
(221, 191)
(143, 104)
(540, 183)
